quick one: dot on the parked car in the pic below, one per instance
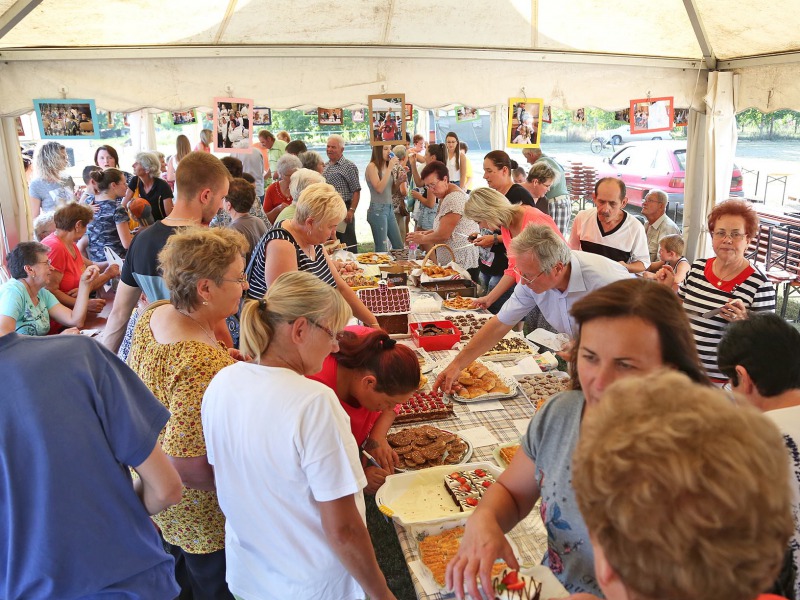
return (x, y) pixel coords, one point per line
(661, 164)
(623, 134)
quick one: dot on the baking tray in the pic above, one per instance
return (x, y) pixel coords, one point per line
(535, 400)
(467, 453)
(500, 372)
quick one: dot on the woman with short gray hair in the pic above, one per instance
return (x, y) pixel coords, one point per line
(277, 196)
(300, 180)
(311, 160)
(147, 184)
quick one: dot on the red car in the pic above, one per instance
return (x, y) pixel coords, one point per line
(656, 164)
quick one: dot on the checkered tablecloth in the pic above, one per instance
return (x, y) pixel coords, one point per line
(529, 535)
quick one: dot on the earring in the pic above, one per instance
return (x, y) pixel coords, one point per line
(205, 302)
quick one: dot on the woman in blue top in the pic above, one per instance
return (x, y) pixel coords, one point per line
(627, 328)
(110, 226)
(26, 305)
(380, 214)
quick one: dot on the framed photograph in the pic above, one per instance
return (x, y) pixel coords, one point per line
(233, 131)
(67, 119)
(579, 116)
(125, 121)
(547, 115)
(681, 117)
(465, 114)
(388, 118)
(409, 112)
(651, 114)
(524, 122)
(623, 115)
(186, 117)
(357, 115)
(330, 116)
(20, 127)
(262, 116)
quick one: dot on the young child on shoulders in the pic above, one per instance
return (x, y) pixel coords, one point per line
(670, 251)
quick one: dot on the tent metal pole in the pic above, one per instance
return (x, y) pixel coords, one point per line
(700, 34)
(15, 14)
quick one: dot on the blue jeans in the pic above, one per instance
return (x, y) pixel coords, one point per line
(383, 224)
(489, 282)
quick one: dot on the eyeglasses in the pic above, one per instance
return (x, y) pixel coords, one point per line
(525, 279)
(335, 337)
(430, 186)
(241, 280)
(734, 235)
(47, 262)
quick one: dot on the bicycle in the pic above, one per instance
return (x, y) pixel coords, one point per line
(599, 144)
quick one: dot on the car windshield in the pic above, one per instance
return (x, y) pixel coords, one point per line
(681, 156)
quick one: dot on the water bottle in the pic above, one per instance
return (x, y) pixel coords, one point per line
(412, 251)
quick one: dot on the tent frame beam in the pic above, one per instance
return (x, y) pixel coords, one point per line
(700, 33)
(340, 51)
(15, 14)
(760, 61)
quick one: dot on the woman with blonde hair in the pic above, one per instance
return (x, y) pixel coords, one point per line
(204, 145)
(296, 245)
(175, 353)
(49, 188)
(182, 147)
(298, 493)
(147, 183)
(492, 210)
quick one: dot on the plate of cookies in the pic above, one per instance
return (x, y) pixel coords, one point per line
(483, 381)
(426, 446)
(458, 302)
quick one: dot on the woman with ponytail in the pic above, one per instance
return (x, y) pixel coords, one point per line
(371, 374)
(286, 465)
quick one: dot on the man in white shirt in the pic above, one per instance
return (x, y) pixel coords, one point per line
(552, 277)
(659, 225)
(608, 230)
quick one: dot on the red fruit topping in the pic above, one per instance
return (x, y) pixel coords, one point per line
(472, 502)
(511, 578)
(460, 479)
(480, 472)
(486, 484)
(465, 487)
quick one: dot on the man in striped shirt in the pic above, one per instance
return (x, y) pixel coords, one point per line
(342, 174)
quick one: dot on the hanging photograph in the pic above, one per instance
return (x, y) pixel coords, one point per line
(20, 128)
(623, 115)
(409, 112)
(579, 116)
(357, 115)
(524, 120)
(681, 117)
(262, 116)
(65, 119)
(186, 117)
(330, 116)
(388, 118)
(651, 114)
(232, 119)
(547, 115)
(465, 114)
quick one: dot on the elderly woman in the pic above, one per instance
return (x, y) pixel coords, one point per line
(296, 245)
(148, 184)
(724, 288)
(450, 226)
(371, 374)
(425, 204)
(300, 180)
(630, 327)
(637, 485)
(43, 225)
(26, 306)
(72, 221)
(175, 353)
(49, 188)
(493, 211)
(312, 160)
(400, 175)
(277, 196)
(380, 216)
(295, 506)
(538, 182)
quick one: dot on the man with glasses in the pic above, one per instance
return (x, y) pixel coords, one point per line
(659, 225)
(552, 277)
(608, 230)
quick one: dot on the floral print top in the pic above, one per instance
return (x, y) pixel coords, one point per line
(178, 375)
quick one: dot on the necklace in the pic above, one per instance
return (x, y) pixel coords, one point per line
(206, 331)
(724, 277)
(34, 297)
(181, 220)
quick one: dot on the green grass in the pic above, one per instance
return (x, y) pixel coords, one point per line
(388, 552)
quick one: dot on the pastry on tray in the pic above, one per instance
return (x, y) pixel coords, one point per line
(372, 258)
(507, 453)
(466, 488)
(510, 345)
(539, 388)
(437, 550)
(424, 406)
(426, 446)
(458, 302)
(437, 271)
(478, 380)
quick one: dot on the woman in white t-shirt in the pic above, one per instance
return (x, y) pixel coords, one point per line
(456, 161)
(287, 468)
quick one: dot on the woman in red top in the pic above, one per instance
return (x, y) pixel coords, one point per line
(371, 374)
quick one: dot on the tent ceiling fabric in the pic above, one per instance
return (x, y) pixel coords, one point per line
(296, 64)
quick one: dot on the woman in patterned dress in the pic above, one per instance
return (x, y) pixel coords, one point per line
(175, 353)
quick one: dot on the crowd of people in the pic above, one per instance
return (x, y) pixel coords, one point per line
(233, 386)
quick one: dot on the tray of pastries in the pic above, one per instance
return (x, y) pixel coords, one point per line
(539, 387)
(468, 324)
(424, 406)
(458, 302)
(359, 281)
(484, 381)
(440, 272)
(513, 346)
(373, 258)
(426, 446)
(347, 267)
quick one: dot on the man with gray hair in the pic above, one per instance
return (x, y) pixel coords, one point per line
(559, 205)
(342, 174)
(659, 225)
(552, 277)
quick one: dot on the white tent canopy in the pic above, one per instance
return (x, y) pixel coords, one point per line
(134, 54)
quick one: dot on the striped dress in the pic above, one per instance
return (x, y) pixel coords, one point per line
(256, 278)
(700, 294)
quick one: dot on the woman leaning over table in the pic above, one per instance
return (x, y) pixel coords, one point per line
(380, 215)
(627, 328)
(450, 226)
(175, 353)
(148, 184)
(727, 282)
(49, 188)
(371, 374)
(286, 464)
(26, 306)
(296, 245)
(493, 211)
